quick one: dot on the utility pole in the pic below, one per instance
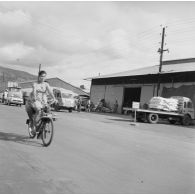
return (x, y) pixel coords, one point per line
(3, 77)
(39, 68)
(39, 71)
(161, 50)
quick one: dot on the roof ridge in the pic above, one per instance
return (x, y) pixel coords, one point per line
(178, 61)
(106, 75)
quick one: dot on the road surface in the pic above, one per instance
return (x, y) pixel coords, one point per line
(95, 153)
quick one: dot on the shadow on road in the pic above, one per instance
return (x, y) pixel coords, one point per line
(116, 119)
(18, 139)
(162, 122)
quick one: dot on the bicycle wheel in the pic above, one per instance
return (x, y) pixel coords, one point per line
(47, 132)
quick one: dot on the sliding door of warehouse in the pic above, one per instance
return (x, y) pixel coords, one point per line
(131, 95)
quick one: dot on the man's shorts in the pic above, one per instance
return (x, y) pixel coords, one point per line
(33, 106)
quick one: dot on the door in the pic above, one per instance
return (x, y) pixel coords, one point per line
(131, 95)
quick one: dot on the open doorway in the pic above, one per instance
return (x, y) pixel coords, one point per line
(131, 95)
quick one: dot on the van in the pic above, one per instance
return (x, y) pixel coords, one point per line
(65, 99)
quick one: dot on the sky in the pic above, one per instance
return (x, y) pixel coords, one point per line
(77, 40)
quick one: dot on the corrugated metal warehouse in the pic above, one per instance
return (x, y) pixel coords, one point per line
(140, 85)
(54, 82)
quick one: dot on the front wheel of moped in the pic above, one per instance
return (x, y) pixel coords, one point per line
(47, 132)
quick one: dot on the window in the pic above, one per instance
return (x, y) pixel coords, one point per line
(66, 95)
(14, 89)
(189, 105)
(57, 93)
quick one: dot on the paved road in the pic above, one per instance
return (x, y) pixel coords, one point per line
(94, 153)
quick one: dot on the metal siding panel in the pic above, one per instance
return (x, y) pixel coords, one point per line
(112, 93)
(97, 93)
(146, 94)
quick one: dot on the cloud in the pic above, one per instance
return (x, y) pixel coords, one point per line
(75, 40)
(14, 19)
(118, 44)
(12, 52)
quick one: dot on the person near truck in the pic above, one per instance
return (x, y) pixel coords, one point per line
(5, 93)
(38, 99)
(89, 105)
(115, 106)
(79, 105)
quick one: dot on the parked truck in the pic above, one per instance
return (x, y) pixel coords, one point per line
(184, 115)
(14, 96)
(11, 93)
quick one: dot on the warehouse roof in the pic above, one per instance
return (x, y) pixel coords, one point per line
(68, 86)
(172, 66)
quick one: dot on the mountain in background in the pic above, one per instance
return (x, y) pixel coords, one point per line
(7, 74)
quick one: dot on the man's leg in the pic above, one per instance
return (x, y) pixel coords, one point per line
(37, 108)
(30, 113)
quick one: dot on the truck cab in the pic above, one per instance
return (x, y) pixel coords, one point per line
(185, 106)
(14, 96)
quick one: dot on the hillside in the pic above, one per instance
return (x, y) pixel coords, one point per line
(7, 74)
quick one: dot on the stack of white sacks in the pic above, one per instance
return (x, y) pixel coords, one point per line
(166, 104)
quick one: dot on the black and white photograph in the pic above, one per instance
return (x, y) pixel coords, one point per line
(97, 97)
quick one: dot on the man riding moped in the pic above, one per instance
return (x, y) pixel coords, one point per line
(38, 100)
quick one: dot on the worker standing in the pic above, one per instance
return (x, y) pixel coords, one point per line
(116, 106)
(5, 93)
(79, 105)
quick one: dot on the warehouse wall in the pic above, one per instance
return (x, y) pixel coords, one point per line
(176, 85)
(97, 92)
(109, 92)
(113, 93)
(146, 93)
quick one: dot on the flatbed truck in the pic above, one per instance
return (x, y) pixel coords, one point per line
(184, 116)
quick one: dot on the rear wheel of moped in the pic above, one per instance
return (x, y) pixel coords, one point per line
(47, 133)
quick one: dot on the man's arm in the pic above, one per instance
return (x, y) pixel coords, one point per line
(50, 91)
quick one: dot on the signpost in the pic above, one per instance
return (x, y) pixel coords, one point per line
(135, 106)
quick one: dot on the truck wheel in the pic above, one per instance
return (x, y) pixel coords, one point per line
(186, 120)
(153, 118)
(70, 110)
